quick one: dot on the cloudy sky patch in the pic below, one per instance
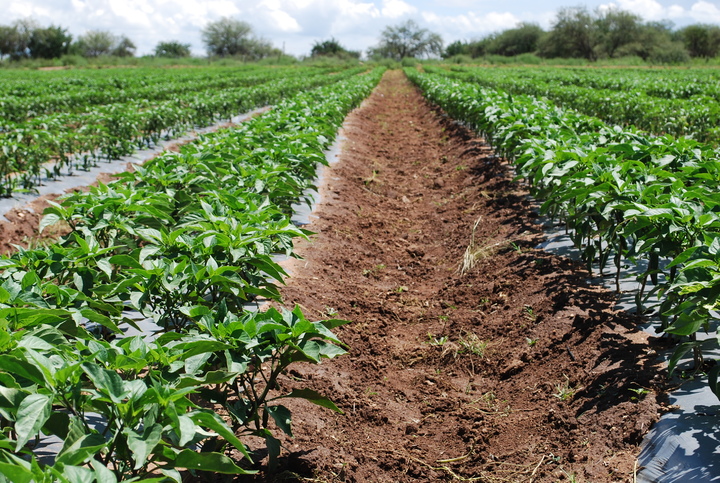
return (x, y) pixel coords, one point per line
(296, 24)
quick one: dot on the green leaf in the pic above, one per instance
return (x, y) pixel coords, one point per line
(187, 430)
(273, 446)
(58, 424)
(125, 261)
(16, 470)
(215, 423)
(678, 354)
(75, 474)
(143, 444)
(82, 450)
(282, 418)
(21, 368)
(208, 378)
(202, 346)
(102, 473)
(687, 323)
(107, 382)
(213, 462)
(101, 319)
(313, 397)
(48, 220)
(104, 265)
(32, 414)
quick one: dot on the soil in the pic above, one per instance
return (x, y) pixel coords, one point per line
(517, 370)
(513, 370)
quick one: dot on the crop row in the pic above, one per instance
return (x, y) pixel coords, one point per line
(625, 196)
(635, 103)
(662, 83)
(75, 140)
(186, 239)
(77, 92)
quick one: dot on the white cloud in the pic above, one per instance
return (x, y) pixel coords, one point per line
(20, 9)
(675, 11)
(134, 12)
(470, 25)
(705, 12)
(299, 23)
(699, 12)
(396, 8)
(648, 9)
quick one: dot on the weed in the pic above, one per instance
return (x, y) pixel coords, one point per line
(640, 391)
(489, 398)
(370, 392)
(529, 313)
(476, 251)
(375, 270)
(436, 341)
(530, 342)
(572, 478)
(372, 178)
(564, 391)
(472, 344)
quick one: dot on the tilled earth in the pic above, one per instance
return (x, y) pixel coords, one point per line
(512, 370)
(516, 370)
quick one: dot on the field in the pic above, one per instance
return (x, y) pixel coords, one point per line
(415, 333)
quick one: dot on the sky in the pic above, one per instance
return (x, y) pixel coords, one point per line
(295, 25)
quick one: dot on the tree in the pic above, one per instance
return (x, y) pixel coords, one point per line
(332, 48)
(7, 42)
(459, 47)
(49, 43)
(521, 40)
(475, 48)
(15, 39)
(571, 36)
(701, 40)
(654, 43)
(615, 28)
(407, 40)
(95, 43)
(229, 36)
(123, 47)
(172, 49)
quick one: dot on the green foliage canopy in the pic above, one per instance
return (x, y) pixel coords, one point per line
(407, 39)
(172, 49)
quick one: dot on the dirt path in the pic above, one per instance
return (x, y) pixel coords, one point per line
(515, 371)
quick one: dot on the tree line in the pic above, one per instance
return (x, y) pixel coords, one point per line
(25, 39)
(603, 34)
(576, 32)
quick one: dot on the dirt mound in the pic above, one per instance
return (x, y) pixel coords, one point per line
(516, 370)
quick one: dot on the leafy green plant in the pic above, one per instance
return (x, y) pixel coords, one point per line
(188, 240)
(627, 198)
(259, 348)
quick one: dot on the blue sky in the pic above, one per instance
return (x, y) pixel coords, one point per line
(297, 24)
